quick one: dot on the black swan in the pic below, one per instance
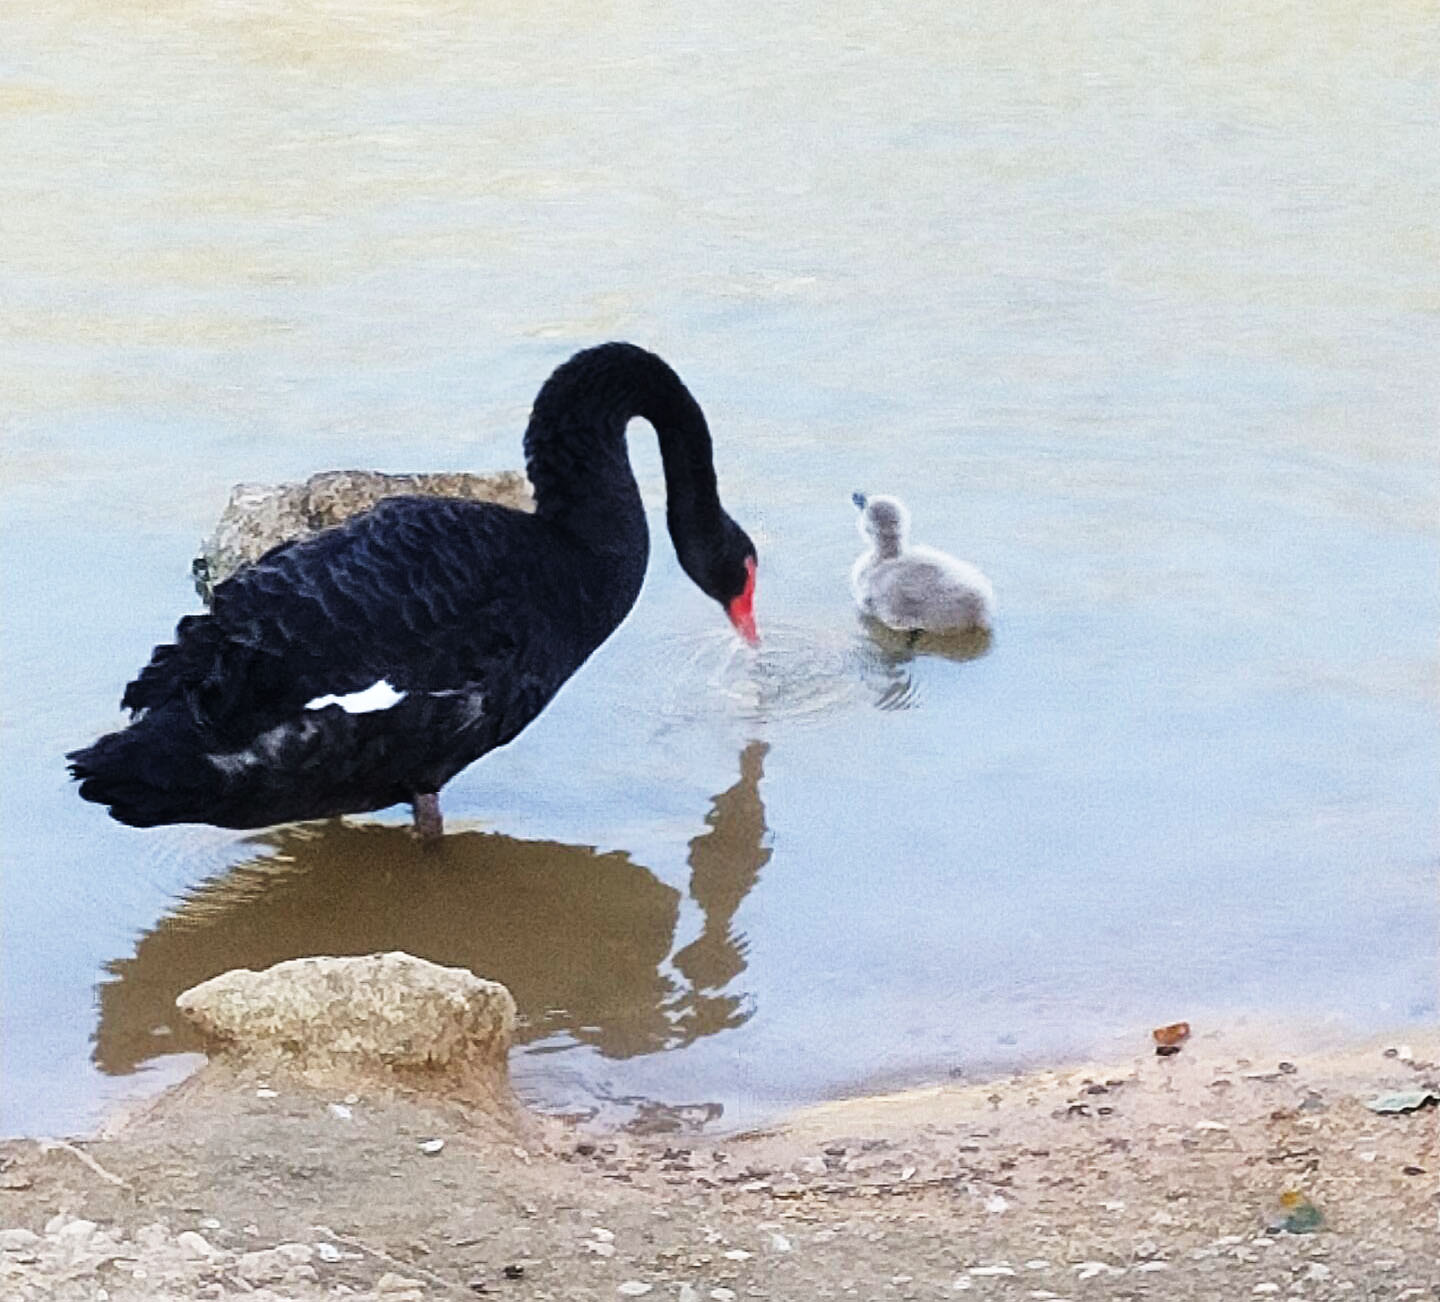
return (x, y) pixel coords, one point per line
(367, 665)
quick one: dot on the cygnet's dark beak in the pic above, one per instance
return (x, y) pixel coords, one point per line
(858, 499)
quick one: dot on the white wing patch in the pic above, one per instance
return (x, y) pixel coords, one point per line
(378, 696)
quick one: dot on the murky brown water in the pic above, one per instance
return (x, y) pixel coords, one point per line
(1136, 308)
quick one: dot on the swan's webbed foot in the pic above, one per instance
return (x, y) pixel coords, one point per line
(429, 824)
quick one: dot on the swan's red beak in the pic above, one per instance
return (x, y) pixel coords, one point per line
(742, 609)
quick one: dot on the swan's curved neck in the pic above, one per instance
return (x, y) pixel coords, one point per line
(575, 451)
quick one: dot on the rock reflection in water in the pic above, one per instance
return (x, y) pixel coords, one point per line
(580, 937)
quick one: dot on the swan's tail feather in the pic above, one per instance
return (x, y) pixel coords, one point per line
(150, 773)
(164, 768)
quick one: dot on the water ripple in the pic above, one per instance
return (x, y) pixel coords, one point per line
(798, 675)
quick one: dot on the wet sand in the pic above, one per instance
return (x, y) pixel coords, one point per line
(1152, 1177)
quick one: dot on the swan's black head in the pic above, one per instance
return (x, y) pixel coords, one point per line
(723, 566)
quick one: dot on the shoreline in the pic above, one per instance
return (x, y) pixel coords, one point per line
(1242, 1033)
(1138, 1177)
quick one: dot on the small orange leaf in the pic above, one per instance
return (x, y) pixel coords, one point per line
(1175, 1033)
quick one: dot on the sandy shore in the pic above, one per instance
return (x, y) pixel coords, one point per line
(1155, 1177)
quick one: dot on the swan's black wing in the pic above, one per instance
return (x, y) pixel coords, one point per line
(425, 594)
(469, 613)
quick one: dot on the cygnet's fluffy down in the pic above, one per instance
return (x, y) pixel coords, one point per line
(913, 588)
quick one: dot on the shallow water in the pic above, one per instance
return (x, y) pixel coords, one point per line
(1136, 310)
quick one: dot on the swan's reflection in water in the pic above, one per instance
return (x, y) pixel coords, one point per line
(583, 939)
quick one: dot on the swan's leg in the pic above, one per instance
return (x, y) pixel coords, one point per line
(429, 825)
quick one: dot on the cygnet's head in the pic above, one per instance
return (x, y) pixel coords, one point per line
(883, 521)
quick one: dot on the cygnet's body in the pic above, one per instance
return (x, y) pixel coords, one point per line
(913, 588)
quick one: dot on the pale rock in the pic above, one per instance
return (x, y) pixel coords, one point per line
(261, 516)
(376, 1017)
(18, 1240)
(280, 1263)
(260, 1266)
(195, 1246)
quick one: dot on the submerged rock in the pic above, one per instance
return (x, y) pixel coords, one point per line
(387, 1017)
(261, 516)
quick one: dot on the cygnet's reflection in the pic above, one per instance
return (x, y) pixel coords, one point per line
(898, 647)
(889, 653)
(581, 938)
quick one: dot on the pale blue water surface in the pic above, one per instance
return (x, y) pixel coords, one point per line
(1137, 310)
